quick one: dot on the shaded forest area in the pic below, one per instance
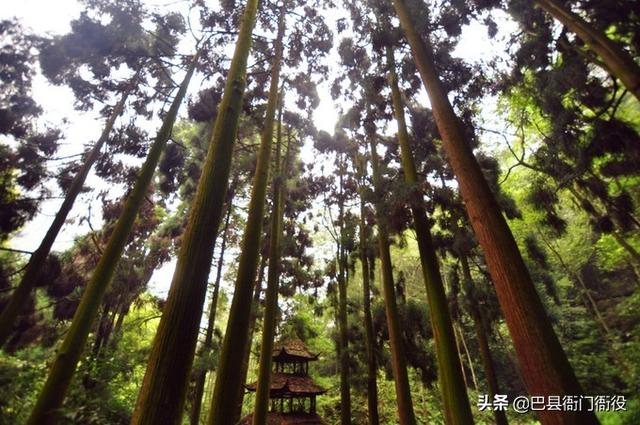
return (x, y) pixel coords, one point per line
(466, 236)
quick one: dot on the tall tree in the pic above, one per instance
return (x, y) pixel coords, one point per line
(367, 271)
(121, 41)
(456, 401)
(339, 186)
(23, 164)
(228, 384)
(398, 360)
(544, 365)
(52, 395)
(198, 390)
(345, 387)
(162, 395)
(271, 294)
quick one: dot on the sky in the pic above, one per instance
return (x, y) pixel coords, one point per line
(53, 17)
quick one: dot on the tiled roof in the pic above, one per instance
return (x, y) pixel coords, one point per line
(289, 383)
(293, 348)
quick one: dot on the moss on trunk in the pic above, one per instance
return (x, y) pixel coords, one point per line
(228, 379)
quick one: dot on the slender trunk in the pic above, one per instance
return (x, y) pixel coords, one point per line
(464, 372)
(117, 328)
(333, 302)
(271, 293)
(228, 384)
(194, 414)
(100, 332)
(52, 395)
(372, 369)
(105, 324)
(162, 395)
(398, 360)
(345, 390)
(454, 391)
(246, 357)
(483, 341)
(544, 365)
(150, 264)
(110, 324)
(474, 379)
(36, 262)
(618, 62)
(592, 307)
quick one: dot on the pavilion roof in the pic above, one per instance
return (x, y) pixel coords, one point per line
(290, 384)
(291, 350)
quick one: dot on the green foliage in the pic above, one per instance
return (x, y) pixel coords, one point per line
(629, 417)
(568, 182)
(106, 387)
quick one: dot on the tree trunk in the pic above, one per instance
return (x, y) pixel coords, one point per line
(372, 369)
(457, 328)
(464, 372)
(271, 293)
(483, 341)
(117, 327)
(618, 62)
(36, 262)
(194, 413)
(454, 391)
(103, 330)
(228, 383)
(162, 395)
(345, 390)
(151, 261)
(255, 305)
(398, 360)
(52, 395)
(544, 365)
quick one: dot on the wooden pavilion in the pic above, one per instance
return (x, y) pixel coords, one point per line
(293, 392)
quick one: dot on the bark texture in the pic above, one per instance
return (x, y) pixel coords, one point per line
(236, 338)
(544, 365)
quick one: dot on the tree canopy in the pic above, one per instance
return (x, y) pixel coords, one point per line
(263, 212)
